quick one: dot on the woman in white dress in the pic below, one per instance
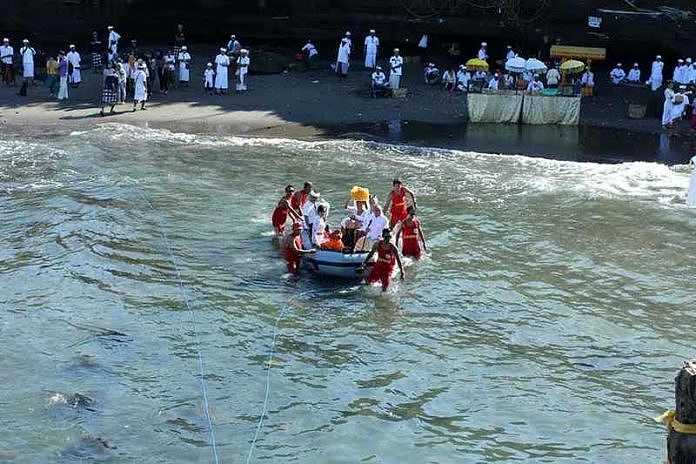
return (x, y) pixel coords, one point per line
(140, 83)
(691, 196)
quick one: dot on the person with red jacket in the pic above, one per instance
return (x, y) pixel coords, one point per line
(387, 257)
(283, 210)
(396, 203)
(299, 198)
(293, 251)
(412, 235)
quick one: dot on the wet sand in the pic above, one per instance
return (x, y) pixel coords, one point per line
(316, 104)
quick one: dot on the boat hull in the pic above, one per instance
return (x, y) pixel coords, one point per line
(336, 264)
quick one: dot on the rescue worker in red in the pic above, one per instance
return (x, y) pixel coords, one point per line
(412, 235)
(387, 257)
(283, 210)
(293, 251)
(396, 203)
(299, 198)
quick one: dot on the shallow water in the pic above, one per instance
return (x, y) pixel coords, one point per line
(546, 325)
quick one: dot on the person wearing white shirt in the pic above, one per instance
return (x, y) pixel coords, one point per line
(679, 103)
(691, 195)
(6, 62)
(667, 105)
(310, 53)
(510, 53)
(431, 74)
(27, 53)
(494, 84)
(449, 78)
(689, 74)
(184, 59)
(463, 78)
(678, 73)
(234, 47)
(242, 70)
(309, 210)
(655, 80)
(396, 63)
(140, 92)
(617, 74)
(634, 74)
(587, 79)
(357, 216)
(535, 86)
(371, 48)
(508, 81)
(74, 60)
(222, 61)
(318, 226)
(209, 78)
(379, 81)
(553, 77)
(483, 52)
(343, 59)
(114, 37)
(376, 223)
(350, 40)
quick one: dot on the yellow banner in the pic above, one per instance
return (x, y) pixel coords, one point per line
(570, 51)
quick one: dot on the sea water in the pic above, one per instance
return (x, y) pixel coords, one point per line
(545, 324)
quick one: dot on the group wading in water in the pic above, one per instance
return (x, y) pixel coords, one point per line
(300, 223)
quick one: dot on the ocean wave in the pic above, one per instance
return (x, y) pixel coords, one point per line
(509, 174)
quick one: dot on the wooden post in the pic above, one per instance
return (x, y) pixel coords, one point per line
(681, 447)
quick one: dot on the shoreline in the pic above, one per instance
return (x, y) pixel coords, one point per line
(315, 105)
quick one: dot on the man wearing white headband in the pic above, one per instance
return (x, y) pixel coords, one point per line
(74, 59)
(184, 59)
(209, 78)
(343, 58)
(27, 53)
(114, 37)
(617, 74)
(396, 63)
(483, 52)
(655, 80)
(222, 61)
(6, 62)
(242, 70)
(371, 47)
(140, 85)
(690, 73)
(634, 74)
(678, 73)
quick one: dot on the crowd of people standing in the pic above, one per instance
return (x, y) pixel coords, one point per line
(125, 72)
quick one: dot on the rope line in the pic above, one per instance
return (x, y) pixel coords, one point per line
(264, 409)
(194, 324)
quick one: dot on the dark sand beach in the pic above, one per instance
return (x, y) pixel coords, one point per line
(315, 104)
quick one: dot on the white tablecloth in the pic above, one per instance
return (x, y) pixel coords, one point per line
(538, 109)
(494, 108)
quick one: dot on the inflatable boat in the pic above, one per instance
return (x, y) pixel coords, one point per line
(333, 263)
